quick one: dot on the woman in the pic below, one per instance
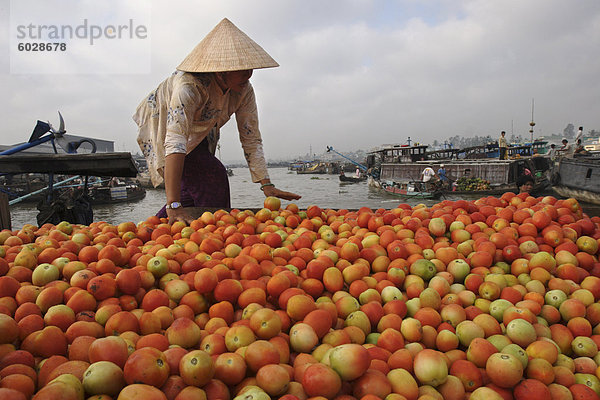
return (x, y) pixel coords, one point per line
(179, 123)
(525, 183)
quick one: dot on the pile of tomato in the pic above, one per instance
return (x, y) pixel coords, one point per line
(495, 298)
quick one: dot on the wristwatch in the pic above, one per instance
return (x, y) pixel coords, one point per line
(174, 205)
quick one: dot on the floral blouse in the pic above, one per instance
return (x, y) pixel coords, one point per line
(188, 107)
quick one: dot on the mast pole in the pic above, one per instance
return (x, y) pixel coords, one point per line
(531, 124)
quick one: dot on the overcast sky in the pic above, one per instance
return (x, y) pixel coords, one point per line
(354, 74)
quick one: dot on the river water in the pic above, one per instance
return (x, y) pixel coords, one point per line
(325, 191)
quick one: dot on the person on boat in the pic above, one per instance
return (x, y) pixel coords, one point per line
(114, 182)
(566, 150)
(428, 174)
(357, 173)
(179, 123)
(525, 183)
(502, 145)
(579, 149)
(579, 135)
(441, 172)
(552, 152)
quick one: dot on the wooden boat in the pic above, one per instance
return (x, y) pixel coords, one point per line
(352, 179)
(414, 190)
(398, 164)
(24, 159)
(361, 171)
(99, 190)
(577, 177)
(296, 165)
(315, 167)
(122, 191)
(20, 185)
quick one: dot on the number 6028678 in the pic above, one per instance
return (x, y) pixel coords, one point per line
(42, 46)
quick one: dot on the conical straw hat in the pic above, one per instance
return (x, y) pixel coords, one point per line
(226, 48)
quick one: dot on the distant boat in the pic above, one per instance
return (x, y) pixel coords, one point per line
(99, 192)
(117, 192)
(316, 167)
(144, 179)
(361, 171)
(352, 179)
(21, 185)
(399, 164)
(297, 165)
(414, 190)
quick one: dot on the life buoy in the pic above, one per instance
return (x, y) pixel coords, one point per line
(555, 179)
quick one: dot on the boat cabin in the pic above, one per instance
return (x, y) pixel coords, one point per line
(539, 146)
(520, 151)
(444, 154)
(397, 154)
(473, 153)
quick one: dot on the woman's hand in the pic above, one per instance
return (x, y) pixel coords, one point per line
(273, 191)
(179, 214)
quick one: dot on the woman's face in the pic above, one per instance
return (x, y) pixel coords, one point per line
(236, 80)
(526, 187)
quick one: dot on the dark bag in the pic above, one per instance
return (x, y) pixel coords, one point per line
(76, 209)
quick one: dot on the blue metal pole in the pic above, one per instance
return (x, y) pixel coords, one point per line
(364, 168)
(56, 185)
(25, 146)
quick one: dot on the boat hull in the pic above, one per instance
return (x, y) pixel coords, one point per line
(496, 172)
(406, 189)
(352, 179)
(500, 175)
(107, 196)
(578, 178)
(411, 194)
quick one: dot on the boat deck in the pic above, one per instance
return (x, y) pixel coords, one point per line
(92, 164)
